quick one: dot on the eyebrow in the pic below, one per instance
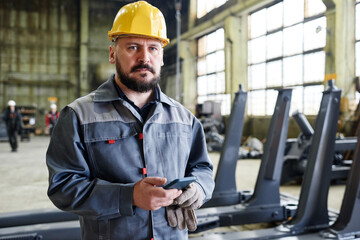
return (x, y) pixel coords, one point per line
(153, 44)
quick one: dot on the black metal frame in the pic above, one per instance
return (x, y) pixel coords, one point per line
(229, 207)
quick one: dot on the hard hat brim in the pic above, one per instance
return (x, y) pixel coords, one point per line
(115, 35)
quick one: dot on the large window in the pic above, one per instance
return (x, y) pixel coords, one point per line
(211, 70)
(205, 6)
(285, 49)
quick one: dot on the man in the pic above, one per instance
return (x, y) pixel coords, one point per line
(12, 118)
(111, 150)
(51, 117)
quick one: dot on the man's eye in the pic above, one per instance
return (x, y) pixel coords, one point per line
(133, 47)
(154, 49)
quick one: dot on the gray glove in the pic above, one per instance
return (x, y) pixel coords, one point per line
(181, 217)
(192, 197)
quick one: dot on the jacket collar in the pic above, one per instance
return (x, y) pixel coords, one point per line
(106, 92)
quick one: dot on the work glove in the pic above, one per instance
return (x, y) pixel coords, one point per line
(181, 217)
(192, 197)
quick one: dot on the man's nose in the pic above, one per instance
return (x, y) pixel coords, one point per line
(144, 56)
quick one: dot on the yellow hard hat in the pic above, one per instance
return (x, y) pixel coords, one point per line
(139, 19)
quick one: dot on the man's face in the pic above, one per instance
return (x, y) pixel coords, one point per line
(138, 62)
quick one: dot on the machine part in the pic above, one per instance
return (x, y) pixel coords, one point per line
(136, 19)
(312, 213)
(264, 204)
(33, 236)
(69, 230)
(31, 217)
(347, 224)
(225, 192)
(297, 153)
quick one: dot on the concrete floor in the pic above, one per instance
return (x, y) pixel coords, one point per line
(24, 177)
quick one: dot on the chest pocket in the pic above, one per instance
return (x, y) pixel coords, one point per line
(174, 148)
(113, 151)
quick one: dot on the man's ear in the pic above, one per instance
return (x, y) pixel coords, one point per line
(112, 54)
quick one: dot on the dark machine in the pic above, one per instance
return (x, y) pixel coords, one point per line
(312, 215)
(297, 153)
(230, 207)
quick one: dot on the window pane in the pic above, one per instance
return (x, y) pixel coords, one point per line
(312, 99)
(293, 11)
(315, 34)
(257, 102)
(293, 70)
(274, 16)
(201, 66)
(293, 39)
(274, 74)
(210, 5)
(201, 85)
(357, 24)
(220, 82)
(271, 96)
(257, 76)
(220, 37)
(297, 99)
(220, 57)
(211, 81)
(210, 66)
(257, 50)
(258, 23)
(211, 42)
(202, 46)
(314, 67)
(274, 45)
(211, 63)
(202, 99)
(225, 100)
(314, 7)
(357, 58)
(201, 8)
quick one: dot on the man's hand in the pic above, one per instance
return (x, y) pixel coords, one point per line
(150, 197)
(192, 197)
(181, 217)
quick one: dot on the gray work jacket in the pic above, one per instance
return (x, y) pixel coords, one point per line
(95, 158)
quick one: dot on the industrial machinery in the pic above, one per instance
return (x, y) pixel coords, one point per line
(312, 214)
(297, 153)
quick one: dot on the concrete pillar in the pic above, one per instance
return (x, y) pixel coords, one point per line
(236, 53)
(188, 74)
(192, 13)
(83, 83)
(330, 50)
(345, 47)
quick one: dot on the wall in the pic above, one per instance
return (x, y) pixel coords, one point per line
(39, 53)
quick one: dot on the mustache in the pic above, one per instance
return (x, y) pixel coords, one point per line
(143, 66)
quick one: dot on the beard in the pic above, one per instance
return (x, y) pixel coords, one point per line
(134, 84)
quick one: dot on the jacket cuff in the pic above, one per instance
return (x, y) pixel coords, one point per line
(126, 200)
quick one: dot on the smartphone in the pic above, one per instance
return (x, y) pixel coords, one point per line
(179, 183)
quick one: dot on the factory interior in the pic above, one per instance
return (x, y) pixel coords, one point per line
(274, 84)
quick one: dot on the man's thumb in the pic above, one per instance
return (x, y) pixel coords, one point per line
(155, 180)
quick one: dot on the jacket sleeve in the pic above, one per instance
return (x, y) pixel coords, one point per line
(199, 164)
(71, 184)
